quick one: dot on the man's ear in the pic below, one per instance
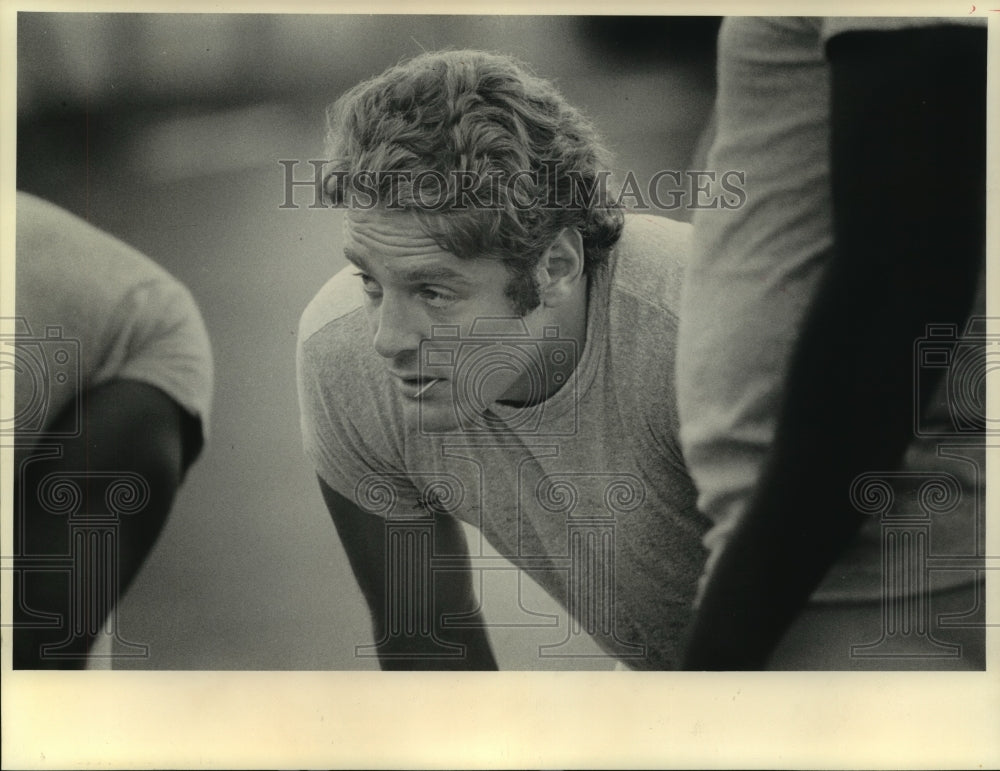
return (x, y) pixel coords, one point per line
(560, 269)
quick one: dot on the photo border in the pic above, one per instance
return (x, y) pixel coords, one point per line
(485, 720)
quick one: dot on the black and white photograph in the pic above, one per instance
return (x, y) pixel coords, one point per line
(627, 356)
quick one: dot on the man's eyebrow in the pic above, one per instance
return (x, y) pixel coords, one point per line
(418, 275)
(354, 258)
(433, 273)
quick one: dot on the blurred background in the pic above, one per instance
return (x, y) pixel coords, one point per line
(166, 130)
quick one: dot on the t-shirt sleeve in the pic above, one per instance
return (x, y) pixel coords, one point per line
(326, 439)
(127, 316)
(161, 340)
(643, 331)
(347, 434)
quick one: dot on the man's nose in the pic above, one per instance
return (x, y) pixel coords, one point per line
(396, 330)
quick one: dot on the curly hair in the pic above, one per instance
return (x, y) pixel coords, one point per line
(480, 127)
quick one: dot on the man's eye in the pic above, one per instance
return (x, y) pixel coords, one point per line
(437, 297)
(369, 284)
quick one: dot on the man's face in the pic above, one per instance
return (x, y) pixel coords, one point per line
(413, 291)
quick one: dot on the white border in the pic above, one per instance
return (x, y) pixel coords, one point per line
(306, 720)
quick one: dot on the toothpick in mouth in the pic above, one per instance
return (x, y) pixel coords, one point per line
(427, 386)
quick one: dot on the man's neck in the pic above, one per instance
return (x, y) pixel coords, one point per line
(570, 319)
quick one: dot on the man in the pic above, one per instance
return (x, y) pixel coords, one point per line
(112, 391)
(498, 353)
(839, 464)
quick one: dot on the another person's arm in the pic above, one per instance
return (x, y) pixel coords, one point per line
(129, 406)
(908, 178)
(363, 536)
(129, 429)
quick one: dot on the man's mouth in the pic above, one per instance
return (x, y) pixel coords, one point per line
(426, 387)
(417, 387)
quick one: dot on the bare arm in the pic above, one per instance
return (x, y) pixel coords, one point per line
(383, 574)
(130, 430)
(907, 161)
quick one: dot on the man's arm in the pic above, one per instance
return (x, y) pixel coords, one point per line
(364, 537)
(129, 429)
(908, 165)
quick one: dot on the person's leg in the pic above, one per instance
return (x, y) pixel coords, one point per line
(91, 513)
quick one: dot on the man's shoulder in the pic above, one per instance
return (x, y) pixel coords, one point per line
(68, 262)
(335, 307)
(96, 288)
(335, 357)
(642, 322)
(650, 259)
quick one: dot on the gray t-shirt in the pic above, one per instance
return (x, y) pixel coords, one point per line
(586, 492)
(91, 309)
